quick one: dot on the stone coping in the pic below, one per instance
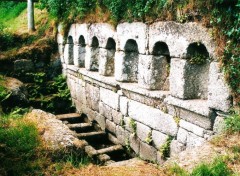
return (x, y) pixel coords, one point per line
(197, 105)
(132, 87)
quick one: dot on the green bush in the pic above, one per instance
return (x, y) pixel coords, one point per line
(217, 168)
(233, 122)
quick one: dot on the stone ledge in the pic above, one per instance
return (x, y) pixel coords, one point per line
(198, 106)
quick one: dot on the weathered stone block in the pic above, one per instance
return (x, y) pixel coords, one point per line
(176, 148)
(192, 128)
(111, 126)
(148, 152)
(188, 81)
(105, 111)
(194, 140)
(219, 96)
(135, 31)
(117, 117)
(109, 98)
(124, 105)
(177, 77)
(160, 159)
(68, 54)
(81, 94)
(219, 125)
(93, 97)
(122, 135)
(182, 135)
(143, 131)
(91, 58)
(126, 66)
(127, 124)
(153, 72)
(153, 118)
(79, 56)
(191, 115)
(106, 62)
(134, 143)
(158, 138)
(102, 31)
(101, 120)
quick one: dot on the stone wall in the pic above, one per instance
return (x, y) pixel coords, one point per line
(138, 83)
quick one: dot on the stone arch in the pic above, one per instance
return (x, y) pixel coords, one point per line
(68, 51)
(79, 52)
(70, 40)
(81, 41)
(106, 59)
(92, 55)
(197, 71)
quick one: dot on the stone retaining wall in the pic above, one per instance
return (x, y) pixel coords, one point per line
(138, 83)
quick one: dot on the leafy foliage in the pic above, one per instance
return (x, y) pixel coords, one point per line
(217, 168)
(233, 122)
(165, 148)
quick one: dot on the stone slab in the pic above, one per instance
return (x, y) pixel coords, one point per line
(153, 118)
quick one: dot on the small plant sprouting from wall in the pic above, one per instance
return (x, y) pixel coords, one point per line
(177, 120)
(165, 148)
(149, 139)
(133, 125)
(198, 59)
(197, 54)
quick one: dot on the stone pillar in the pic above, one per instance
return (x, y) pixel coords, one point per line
(79, 55)
(91, 58)
(153, 72)
(61, 52)
(188, 81)
(106, 62)
(126, 66)
(219, 94)
(68, 54)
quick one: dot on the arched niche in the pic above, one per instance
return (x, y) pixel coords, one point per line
(81, 41)
(130, 61)
(68, 51)
(80, 52)
(197, 71)
(69, 40)
(106, 61)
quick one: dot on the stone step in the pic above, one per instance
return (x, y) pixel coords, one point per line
(70, 118)
(109, 149)
(80, 127)
(92, 152)
(92, 136)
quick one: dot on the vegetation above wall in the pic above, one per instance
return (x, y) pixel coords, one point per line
(222, 15)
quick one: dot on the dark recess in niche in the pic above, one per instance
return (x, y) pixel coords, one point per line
(95, 42)
(111, 44)
(82, 41)
(70, 40)
(131, 46)
(161, 49)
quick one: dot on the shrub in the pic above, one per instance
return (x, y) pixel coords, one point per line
(217, 168)
(233, 122)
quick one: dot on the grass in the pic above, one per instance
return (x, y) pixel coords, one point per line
(22, 152)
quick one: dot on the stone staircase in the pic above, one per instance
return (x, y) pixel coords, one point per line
(100, 145)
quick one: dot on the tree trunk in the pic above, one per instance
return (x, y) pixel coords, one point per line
(31, 26)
